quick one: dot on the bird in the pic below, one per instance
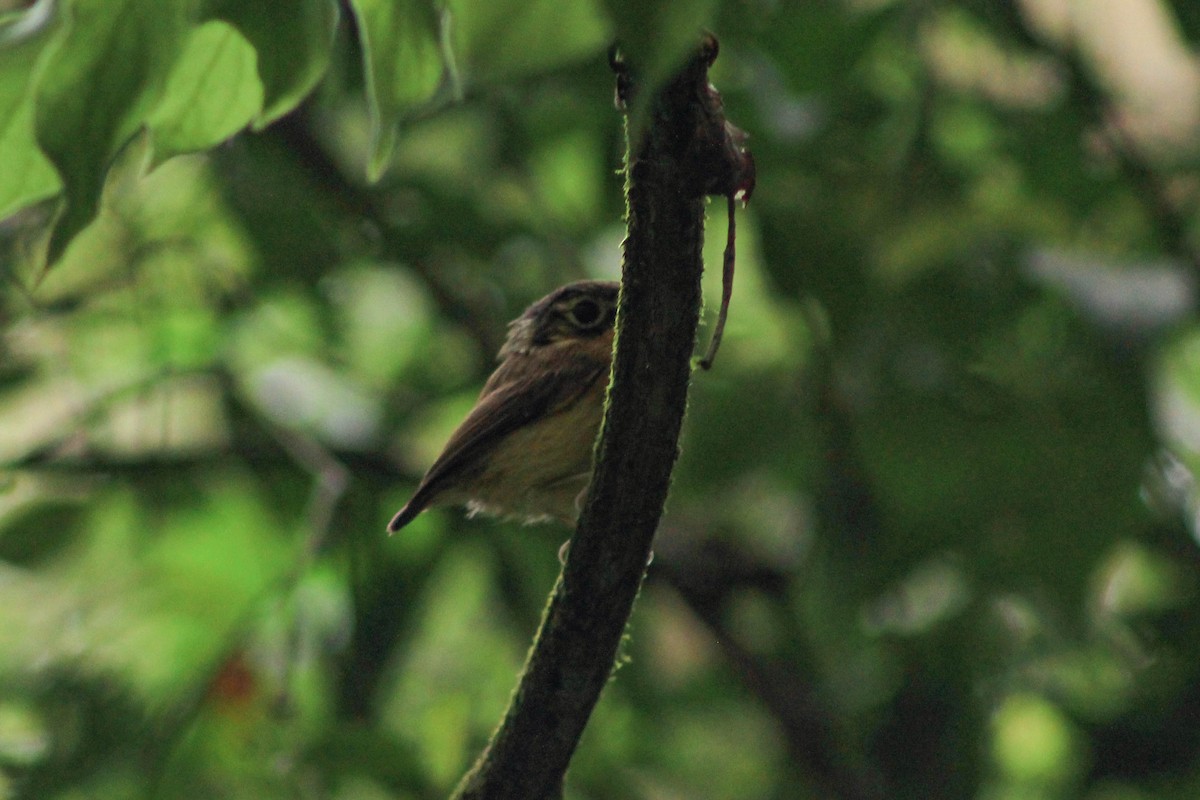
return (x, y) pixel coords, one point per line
(524, 450)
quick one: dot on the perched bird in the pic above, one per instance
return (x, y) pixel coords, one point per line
(525, 449)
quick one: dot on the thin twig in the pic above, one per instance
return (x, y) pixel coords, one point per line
(726, 284)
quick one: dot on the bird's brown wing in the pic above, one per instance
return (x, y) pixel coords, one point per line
(510, 401)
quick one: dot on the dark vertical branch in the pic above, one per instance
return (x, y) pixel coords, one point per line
(574, 652)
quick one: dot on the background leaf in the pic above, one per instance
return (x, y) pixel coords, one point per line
(932, 533)
(292, 39)
(212, 92)
(506, 41)
(28, 175)
(402, 63)
(100, 82)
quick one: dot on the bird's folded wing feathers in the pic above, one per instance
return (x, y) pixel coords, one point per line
(511, 404)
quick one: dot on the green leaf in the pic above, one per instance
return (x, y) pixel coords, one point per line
(27, 175)
(502, 41)
(100, 82)
(212, 93)
(293, 39)
(403, 65)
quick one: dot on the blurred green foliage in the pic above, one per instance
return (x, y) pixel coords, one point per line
(933, 532)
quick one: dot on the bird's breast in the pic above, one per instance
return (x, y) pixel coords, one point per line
(540, 469)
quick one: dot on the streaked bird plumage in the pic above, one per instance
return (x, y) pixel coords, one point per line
(525, 449)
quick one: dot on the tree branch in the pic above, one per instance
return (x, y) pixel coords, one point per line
(668, 173)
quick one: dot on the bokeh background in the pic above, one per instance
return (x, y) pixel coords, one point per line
(933, 530)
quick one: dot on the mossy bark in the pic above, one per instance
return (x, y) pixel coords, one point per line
(573, 655)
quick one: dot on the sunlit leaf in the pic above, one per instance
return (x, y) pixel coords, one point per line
(293, 39)
(213, 92)
(1033, 741)
(103, 78)
(27, 175)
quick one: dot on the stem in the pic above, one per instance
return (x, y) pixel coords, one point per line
(573, 654)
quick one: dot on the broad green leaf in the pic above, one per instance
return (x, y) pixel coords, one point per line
(212, 93)
(101, 81)
(26, 175)
(293, 39)
(503, 41)
(402, 63)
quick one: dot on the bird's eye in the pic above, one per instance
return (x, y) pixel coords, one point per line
(585, 313)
